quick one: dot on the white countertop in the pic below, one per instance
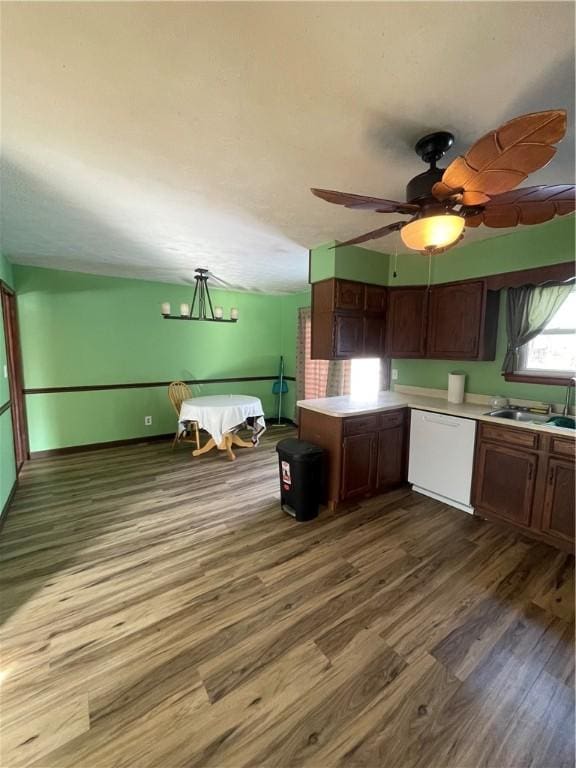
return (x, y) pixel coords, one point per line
(346, 405)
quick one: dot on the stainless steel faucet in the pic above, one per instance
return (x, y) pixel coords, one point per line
(571, 383)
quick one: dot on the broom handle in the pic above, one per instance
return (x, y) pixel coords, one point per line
(280, 396)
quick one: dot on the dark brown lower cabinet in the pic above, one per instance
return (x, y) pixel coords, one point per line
(366, 454)
(391, 466)
(506, 481)
(526, 478)
(358, 464)
(559, 499)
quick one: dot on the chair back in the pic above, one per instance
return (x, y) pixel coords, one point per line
(178, 391)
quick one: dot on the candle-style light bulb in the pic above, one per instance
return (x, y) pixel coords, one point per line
(234, 313)
(165, 308)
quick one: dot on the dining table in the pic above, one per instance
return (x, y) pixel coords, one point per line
(222, 416)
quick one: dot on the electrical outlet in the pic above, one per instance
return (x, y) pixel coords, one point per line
(394, 374)
(147, 421)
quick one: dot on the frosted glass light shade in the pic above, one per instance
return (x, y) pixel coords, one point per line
(432, 232)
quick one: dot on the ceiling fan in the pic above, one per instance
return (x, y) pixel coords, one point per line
(478, 188)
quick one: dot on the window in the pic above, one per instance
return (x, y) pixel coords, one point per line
(365, 378)
(553, 352)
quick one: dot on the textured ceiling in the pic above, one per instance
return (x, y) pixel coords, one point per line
(147, 139)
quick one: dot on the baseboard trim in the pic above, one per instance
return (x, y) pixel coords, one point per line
(7, 503)
(99, 446)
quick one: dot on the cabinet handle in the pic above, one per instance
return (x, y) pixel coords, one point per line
(551, 476)
(530, 471)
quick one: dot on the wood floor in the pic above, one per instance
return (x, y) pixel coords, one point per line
(162, 611)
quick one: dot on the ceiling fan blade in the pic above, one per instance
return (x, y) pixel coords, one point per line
(503, 158)
(376, 233)
(363, 203)
(529, 205)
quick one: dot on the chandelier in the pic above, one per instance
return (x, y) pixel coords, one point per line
(204, 309)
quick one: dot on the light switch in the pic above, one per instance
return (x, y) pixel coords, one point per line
(394, 374)
(5, 371)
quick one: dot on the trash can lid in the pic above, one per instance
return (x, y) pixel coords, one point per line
(298, 450)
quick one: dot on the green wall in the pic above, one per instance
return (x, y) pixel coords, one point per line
(81, 330)
(549, 243)
(349, 263)
(7, 463)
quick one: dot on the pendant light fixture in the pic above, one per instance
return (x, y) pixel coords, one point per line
(201, 307)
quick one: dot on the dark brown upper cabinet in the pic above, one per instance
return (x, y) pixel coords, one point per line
(349, 295)
(406, 322)
(451, 321)
(462, 322)
(375, 299)
(348, 320)
(348, 332)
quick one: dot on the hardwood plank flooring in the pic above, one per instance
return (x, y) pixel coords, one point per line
(159, 611)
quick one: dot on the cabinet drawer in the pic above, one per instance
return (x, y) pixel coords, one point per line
(520, 437)
(563, 446)
(359, 425)
(391, 419)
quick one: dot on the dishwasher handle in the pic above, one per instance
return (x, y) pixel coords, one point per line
(443, 421)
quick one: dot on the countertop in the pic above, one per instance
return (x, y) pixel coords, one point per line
(340, 407)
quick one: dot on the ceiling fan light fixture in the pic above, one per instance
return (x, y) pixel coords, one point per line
(432, 233)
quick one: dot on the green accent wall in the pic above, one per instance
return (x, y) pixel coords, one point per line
(80, 330)
(539, 246)
(349, 263)
(7, 462)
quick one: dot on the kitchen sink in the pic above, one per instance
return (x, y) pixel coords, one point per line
(513, 414)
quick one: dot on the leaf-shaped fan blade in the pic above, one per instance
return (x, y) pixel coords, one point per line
(376, 233)
(502, 159)
(363, 203)
(530, 205)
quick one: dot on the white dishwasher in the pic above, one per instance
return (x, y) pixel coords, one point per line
(441, 457)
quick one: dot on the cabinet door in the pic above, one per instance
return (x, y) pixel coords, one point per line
(349, 295)
(348, 335)
(505, 482)
(559, 500)
(455, 317)
(391, 464)
(406, 322)
(374, 336)
(358, 463)
(375, 299)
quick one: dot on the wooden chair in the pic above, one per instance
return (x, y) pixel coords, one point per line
(178, 391)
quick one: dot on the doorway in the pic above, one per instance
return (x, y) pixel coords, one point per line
(15, 375)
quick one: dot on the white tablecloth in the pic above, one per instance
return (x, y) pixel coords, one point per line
(218, 414)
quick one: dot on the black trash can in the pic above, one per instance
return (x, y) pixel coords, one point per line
(301, 467)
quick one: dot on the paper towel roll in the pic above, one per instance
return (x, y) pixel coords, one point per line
(456, 383)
